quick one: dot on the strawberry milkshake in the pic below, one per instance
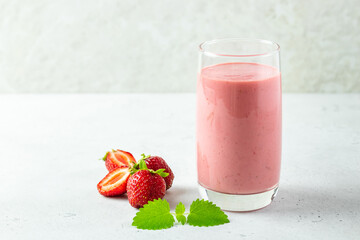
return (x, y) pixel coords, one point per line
(239, 128)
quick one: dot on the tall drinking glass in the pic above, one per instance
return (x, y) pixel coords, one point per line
(239, 123)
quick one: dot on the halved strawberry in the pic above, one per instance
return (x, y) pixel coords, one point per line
(114, 183)
(118, 158)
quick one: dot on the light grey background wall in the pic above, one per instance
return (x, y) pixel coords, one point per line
(151, 46)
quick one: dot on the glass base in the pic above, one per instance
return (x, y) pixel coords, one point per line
(239, 203)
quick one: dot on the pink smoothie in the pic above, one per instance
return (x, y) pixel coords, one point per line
(239, 128)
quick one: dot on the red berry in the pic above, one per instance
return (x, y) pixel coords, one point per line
(114, 183)
(155, 163)
(144, 186)
(118, 158)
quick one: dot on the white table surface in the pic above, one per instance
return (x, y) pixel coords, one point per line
(49, 167)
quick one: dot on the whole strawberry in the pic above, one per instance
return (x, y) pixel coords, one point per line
(117, 159)
(145, 185)
(155, 163)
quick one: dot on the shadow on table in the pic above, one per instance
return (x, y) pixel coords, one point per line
(123, 197)
(174, 195)
(181, 194)
(317, 202)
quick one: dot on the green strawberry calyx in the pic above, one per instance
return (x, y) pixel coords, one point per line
(104, 158)
(160, 171)
(141, 165)
(106, 154)
(144, 157)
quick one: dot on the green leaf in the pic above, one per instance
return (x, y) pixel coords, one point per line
(154, 215)
(181, 219)
(179, 210)
(205, 213)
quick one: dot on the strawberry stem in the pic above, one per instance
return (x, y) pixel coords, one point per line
(140, 165)
(104, 158)
(143, 157)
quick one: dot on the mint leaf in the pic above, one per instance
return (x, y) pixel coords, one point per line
(154, 215)
(205, 213)
(181, 219)
(179, 210)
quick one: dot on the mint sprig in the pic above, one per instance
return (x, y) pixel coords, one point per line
(156, 215)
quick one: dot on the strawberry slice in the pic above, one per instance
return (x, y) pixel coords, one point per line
(118, 158)
(114, 183)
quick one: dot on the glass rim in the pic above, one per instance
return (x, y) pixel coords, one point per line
(214, 54)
